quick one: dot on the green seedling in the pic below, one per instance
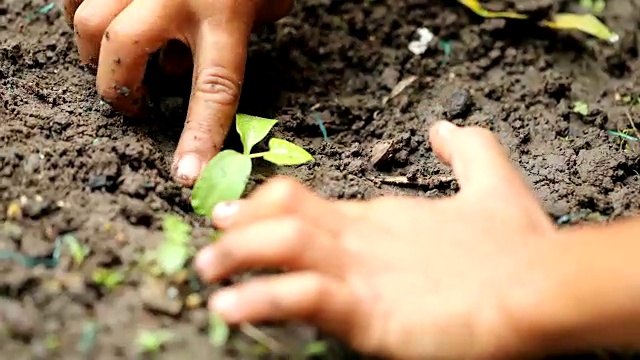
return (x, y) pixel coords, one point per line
(78, 251)
(316, 348)
(174, 252)
(151, 341)
(218, 331)
(108, 278)
(225, 177)
(594, 6)
(52, 342)
(581, 107)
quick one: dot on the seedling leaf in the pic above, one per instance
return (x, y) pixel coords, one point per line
(176, 230)
(152, 341)
(477, 8)
(172, 257)
(108, 278)
(283, 152)
(586, 23)
(252, 129)
(78, 251)
(218, 331)
(223, 179)
(580, 107)
(315, 348)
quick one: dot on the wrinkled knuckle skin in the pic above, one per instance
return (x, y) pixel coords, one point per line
(284, 191)
(218, 85)
(294, 234)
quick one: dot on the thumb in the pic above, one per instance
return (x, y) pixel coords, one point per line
(219, 64)
(477, 158)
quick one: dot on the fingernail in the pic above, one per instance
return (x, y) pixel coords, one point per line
(204, 262)
(224, 302)
(445, 128)
(188, 167)
(225, 210)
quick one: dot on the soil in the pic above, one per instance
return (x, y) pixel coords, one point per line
(72, 166)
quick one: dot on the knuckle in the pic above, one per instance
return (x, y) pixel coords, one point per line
(88, 24)
(283, 191)
(294, 230)
(218, 84)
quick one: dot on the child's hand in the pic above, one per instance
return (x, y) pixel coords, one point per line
(118, 36)
(403, 278)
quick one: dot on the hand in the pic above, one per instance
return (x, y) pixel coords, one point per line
(396, 277)
(118, 36)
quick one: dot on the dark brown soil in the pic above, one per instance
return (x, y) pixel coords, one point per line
(71, 165)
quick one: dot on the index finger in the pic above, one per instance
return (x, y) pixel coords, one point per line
(219, 64)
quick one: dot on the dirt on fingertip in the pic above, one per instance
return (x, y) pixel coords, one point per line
(71, 165)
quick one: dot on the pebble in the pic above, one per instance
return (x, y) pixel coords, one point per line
(14, 211)
(154, 294)
(38, 208)
(459, 104)
(381, 152)
(32, 163)
(193, 301)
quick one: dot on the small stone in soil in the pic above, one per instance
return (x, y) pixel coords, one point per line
(193, 301)
(154, 295)
(381, 153)
(459, 104)
(14, 211)
(32, 164)
(99, 181)
(38, 208)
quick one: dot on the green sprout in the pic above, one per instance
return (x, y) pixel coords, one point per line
(316, 348)
(151, 341)
(218, 331)
(78, 251)
(108, 278)
(226, 176)
(581, 107)
(594, 6)
(174, 252)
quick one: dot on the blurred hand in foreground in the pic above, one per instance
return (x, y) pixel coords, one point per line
(118, 37)
(398, 277)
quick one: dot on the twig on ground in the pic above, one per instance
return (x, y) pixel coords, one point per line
(262, 338)
(421, 182)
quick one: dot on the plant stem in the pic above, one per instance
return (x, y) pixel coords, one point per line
(257, 155)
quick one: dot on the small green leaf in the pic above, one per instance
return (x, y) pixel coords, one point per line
(283, 152)
(252, 129)
(176, 230)
(586, 23)
(218, 331)
(78, 251)
(151, 341)
(171, 257)
(108, 278)
(315, 348)
(581, 108)
(223, 179)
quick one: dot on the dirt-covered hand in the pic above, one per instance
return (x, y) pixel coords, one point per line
(119, 36)
(398, 277)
